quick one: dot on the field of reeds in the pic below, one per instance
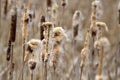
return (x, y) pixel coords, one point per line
(60, 40)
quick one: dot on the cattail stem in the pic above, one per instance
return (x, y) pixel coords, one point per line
(54, 73)
(31, 76)
(45, 65)
(5, 7)
(119, 16)
(24, 37)
(81, 72)
(101, 61)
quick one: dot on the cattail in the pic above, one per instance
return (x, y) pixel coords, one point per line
(8, 51)
(49, 3)
(54, 13)
(119, 11)
(32, 45)
(100, 27)
(32, 65)
(93, 18)
(13, 25)
(98, 77)
(12, 41)
(41, 28)
(97, 5)
(24, 36)
(77, 18)
(58, 35)
(48, 29)
(5, 7)
(103, 41)
(84, 52)
(49, 7)
(64, 3)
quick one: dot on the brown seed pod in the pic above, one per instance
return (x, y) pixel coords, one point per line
(13, 25)
(8, 51)
(32, 64)
(41, 28)
(49, 3)
(64, 3)
(5, 7)
(119, 11)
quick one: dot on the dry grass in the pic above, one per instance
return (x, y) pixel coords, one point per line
(85, 47)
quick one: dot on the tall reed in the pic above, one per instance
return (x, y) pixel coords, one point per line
(48, 29)
(24, 37)
(11, 43)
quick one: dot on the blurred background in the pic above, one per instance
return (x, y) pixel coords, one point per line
(69, 62)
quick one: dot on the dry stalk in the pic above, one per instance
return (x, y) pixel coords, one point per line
(48, 28)
(24, 37)
(49, 6)
(58, 36)
(119, 12)
(101, 62)
(64, 3)
(84, 52)
(41, 28)
(5, 7)
(32, 66)
(54, 15)
(11, 42)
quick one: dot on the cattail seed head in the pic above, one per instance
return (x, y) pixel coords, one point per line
(33, 44)
(41, 28)
(32, 64)
(64, 3)
(8, 51)
(25, 25)
(77, 18)
(95, 3)
(102, 25)
(54, 13)
(13, 25)
(84, 52)
(119, 11)
(102, 42)
(5, 7)
(49, 3)
(59, 34)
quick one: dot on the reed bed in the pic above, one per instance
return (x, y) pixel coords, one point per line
(59, 40)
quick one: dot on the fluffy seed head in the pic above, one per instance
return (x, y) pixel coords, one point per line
(102, 25)
(49, 24)
(32, 64)
(34, 43)
(102, 42)
(84, 52)
(95, 3)
(59, 34)
(77, 17)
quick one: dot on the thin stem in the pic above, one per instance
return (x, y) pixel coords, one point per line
(23, 51)
(119, 16)
(31, 75)
(101, 61)
(81, 72)
(46, 70)
(11, 64)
